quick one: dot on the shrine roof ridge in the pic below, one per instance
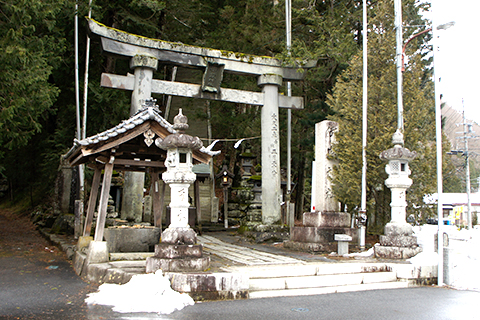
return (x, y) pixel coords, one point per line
(102, 30)
(144, 114)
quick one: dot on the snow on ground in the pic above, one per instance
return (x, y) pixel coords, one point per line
(369, 253)
(462, 255)
(143, 293)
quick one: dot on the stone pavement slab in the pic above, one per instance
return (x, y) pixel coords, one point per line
(241, 254)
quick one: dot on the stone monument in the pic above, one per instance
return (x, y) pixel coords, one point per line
(325, 220)
(398, 241)
(178, 250)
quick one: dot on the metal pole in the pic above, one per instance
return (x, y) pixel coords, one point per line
(438, 132)
(399, 30)
(77, 90)
(363, 207)
(288, 23)
(85, 84)
(77, 98)
(467, 169)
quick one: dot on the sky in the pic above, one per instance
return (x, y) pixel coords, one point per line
(457, 59)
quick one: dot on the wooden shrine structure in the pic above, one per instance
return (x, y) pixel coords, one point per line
(129, 146)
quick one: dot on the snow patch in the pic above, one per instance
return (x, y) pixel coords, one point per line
(369, 253)
(143, 293)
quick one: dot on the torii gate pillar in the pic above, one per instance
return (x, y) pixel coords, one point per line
(271, 193)
(134, 181)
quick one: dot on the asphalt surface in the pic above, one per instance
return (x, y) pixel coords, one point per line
(37, 289)
(424, 303)
(37, 282)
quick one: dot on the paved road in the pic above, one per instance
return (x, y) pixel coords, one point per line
(37, 289)
(423, 303)
(36, 280)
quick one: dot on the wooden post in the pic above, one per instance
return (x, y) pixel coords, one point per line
(157, 200)
(102, 211)
(196, 194)
(92, 201)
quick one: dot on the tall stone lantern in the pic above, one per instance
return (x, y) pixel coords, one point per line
(178, 250)
(398, 241)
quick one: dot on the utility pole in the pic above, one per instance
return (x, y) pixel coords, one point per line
(363, 206)
(467, 134)
(288, 23)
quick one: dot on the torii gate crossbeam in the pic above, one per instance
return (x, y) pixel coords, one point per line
(145, 54)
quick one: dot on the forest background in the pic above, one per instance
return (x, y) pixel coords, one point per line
(37, 89)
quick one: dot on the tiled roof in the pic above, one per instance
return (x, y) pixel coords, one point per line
(144, 114)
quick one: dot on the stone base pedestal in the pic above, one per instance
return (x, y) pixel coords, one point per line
(317, 239)
(397, 243)
(261, 232)
(326, 219)
(318, 234)
(177, 257)
(392, 252)
(179, 235)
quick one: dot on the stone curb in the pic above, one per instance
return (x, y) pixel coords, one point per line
(68, 249)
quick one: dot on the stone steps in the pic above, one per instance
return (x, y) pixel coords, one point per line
(326, 290)
(317, 278)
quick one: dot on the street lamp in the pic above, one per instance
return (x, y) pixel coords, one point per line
(438, 133)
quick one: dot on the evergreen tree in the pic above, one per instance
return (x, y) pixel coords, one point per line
(29, 53)
(419, 118)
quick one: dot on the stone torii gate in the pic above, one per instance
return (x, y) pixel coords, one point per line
(145, 53)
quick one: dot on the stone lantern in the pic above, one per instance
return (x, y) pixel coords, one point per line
(178, 250)
(398, 242)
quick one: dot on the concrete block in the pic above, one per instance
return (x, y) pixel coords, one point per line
(97, 252)
(309, 246)
(376, 277)
(342, 240)
(96, 272)
(420, 274)
(119, 256)
(275, 271)
(116, 275)
(326, 290)
(190, 282)
(132, 239)
(385, 252)
(267, 284)
(320, 234)
(342, 237)
(78, 262)
(323, 281)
